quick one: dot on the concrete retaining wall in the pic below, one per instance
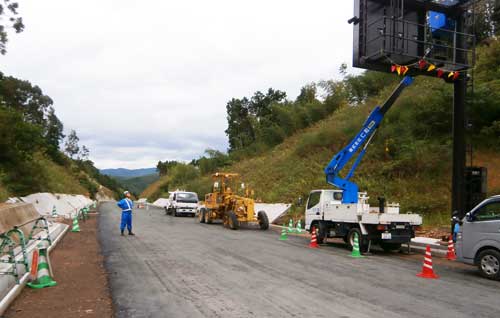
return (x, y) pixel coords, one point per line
(9, 215)
(66, 205)
(161, 203)
(273, 210)
(15, 214)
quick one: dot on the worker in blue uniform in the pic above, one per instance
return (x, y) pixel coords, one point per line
(126, 205)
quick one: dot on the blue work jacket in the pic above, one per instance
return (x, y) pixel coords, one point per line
(126, 205)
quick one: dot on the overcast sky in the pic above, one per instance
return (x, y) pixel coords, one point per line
(142, 81)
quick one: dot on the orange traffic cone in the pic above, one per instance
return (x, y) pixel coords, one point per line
(451, 256)
(314, 243)
(427, 271)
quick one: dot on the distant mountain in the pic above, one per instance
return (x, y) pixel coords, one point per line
(129, 173)
(137, 184)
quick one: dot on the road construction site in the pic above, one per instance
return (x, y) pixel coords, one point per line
(177, 267)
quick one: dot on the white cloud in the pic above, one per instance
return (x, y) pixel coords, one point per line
(142, 81)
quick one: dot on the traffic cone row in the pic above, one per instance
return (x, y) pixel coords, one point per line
(451, 256)
(44, 272)
(314, 242)
(427, 271)
(76, 226)
(283, 236)
(356, 253)
(298, 229)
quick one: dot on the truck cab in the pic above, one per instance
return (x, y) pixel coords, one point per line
(382, 225)
(182, 203)
(478, 240)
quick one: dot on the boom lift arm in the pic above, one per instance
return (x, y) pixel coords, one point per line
(362, 139)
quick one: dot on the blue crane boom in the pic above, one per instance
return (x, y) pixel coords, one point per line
(362, 139)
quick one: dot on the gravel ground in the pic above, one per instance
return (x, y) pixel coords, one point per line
(82, 288)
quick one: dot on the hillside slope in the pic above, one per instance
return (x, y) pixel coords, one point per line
(69, 179)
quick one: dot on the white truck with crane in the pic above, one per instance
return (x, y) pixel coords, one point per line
(346, 211)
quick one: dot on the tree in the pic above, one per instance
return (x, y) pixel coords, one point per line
(164, 167)
(71, 146)
(214, 160)
(239, 130)
(9, 18)
(53, 134)
(260, 104)
(27, 99)
(244, 115)
(307, 94)
(84, 153)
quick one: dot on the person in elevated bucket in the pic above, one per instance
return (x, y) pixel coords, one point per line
(126, 205)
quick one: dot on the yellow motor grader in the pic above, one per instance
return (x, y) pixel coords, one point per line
(231, 203)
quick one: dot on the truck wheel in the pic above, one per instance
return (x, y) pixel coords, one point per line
(201, 215)
(175, 212)
(263, 220)
(234, 224)
(320, 232)
(389, 247)
(363, 245)
(489, 264)
(208, 220)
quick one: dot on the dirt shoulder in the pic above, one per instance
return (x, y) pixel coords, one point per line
(82, 287)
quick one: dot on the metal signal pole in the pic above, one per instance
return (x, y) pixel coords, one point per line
(459, 151)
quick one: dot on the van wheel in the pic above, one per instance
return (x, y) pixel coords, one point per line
(201, 215)
(233, 222)
(263, 220)
(489, 264)
(363, 244)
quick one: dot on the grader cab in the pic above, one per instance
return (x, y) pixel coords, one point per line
(231, 202)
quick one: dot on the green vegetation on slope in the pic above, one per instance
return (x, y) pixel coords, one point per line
(31, 159)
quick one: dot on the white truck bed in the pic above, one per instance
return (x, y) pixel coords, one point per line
(386, 218)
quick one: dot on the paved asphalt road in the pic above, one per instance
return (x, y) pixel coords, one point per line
(176, 267)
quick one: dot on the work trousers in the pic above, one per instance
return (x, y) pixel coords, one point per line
(126, 221)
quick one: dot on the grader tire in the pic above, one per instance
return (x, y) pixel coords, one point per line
(233, 222)
(263, 220)
(208, 220)
(201, 215)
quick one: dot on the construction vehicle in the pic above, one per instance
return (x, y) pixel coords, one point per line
(344, 212)
(182, 203)
(226, 204)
